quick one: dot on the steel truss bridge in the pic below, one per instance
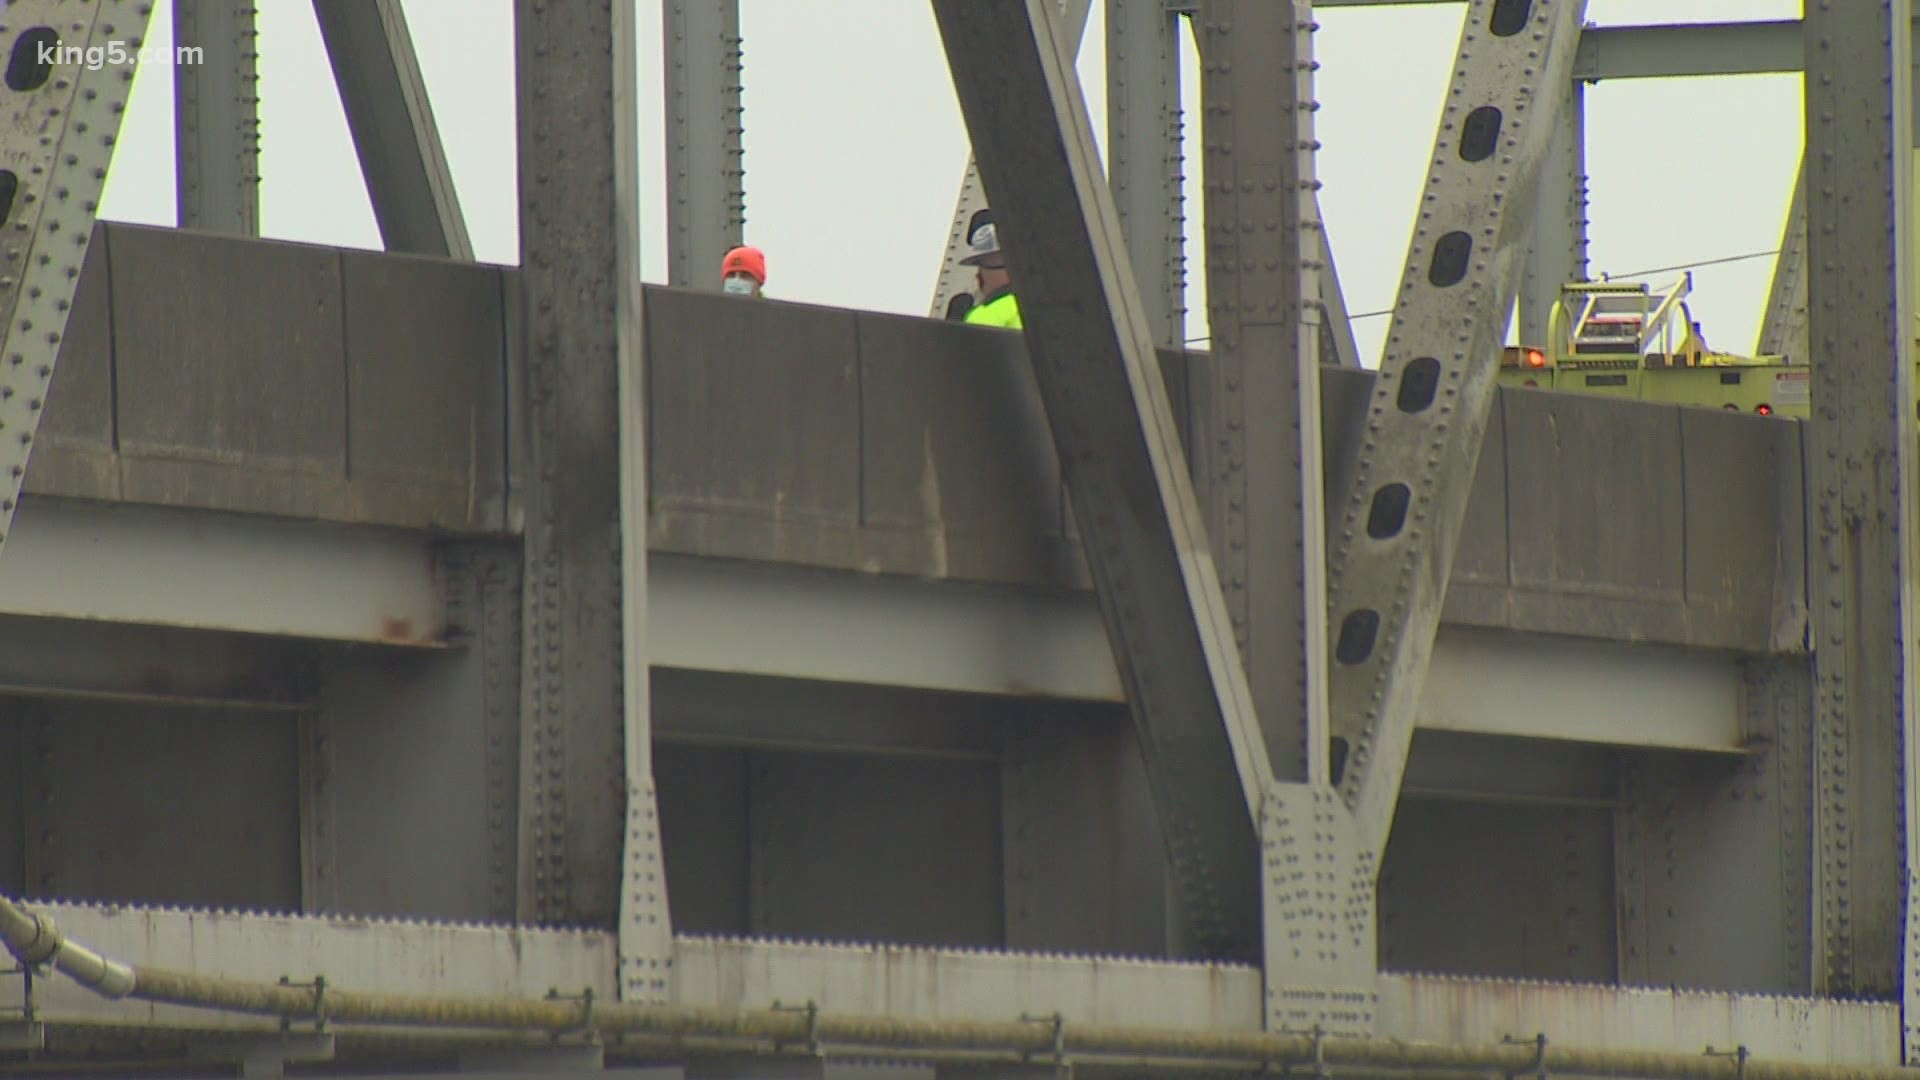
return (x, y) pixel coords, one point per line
(424, 628)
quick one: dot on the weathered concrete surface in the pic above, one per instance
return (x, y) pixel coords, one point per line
(285, 379)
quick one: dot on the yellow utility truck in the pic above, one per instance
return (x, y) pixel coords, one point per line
(1629, 339)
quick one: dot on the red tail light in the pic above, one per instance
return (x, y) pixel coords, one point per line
(1763, 409)
(1536, 358)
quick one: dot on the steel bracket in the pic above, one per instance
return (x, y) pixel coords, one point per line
(24, 1033)
(812, 1011)
(1538, 1067)
(319, 988)
(1738, 1054)
(29, 1036)
(646, 936)
(585, 1033)
(1059, 1025)
(1319, 904)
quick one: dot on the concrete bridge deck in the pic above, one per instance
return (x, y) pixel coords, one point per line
(370, 389)
(305, 540)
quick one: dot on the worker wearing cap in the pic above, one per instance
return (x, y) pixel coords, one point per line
(744, 271)
(997, 305)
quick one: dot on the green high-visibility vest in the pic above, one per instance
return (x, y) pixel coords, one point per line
(999, 310)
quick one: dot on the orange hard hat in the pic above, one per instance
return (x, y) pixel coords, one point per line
(745, 260)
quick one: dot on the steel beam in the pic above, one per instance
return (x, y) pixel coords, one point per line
(643, 928)
(391, 117)
(115, 664)
(797, 623)
(216, 116)
(1680, 50)
(1559, 248)
(1259, 446)
(1666, 51)
(1145, 155)
(972, 204)
(706, 193)
(1860, 447)
(1401, 516)
(57, 141)
(586, 788)
(1094, 361)
(155, 566)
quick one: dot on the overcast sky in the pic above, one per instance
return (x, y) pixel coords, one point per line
(855, 149)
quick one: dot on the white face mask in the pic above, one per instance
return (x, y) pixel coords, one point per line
(738, 286)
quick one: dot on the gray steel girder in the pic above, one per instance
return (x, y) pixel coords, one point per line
(1094, 362)
(1144, 156)
(1671, 51)
(1860, 445)
(1261, 430)
(391, 116)
(585, 771)
(1401, 514)
(57, 134)
(953, 278)
(706, 175)
(216, 117)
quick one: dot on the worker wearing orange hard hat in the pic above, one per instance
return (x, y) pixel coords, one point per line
(744, 271)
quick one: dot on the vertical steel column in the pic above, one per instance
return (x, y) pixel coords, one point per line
(953, 278)
(1337, 344)
(1264, 497)
(57, 133)
(1860, 448)
(1144, 156)
(589, 849)
(706, 193)
(216, 117)
(1401, 516)
(1260, 451)
(1559, 251)
(644, 931)
(1094, 360)
(391, 116)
